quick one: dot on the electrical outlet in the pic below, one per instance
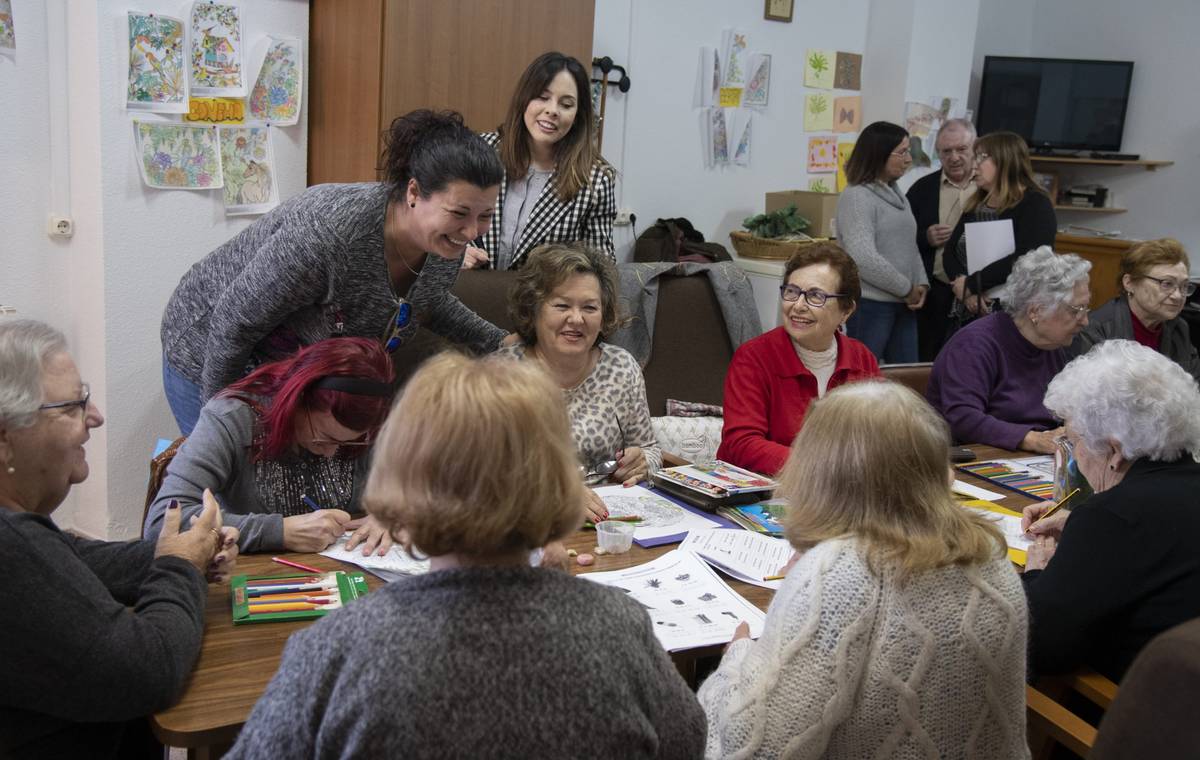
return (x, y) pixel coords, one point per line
(60, 226)
(624, 218)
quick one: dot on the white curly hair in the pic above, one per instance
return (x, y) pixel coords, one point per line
(1044, 278)
(25, 345)
(1124, 392)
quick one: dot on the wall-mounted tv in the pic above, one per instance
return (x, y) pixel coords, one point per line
(1055, 103)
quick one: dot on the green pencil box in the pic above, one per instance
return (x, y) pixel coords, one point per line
(296, 596)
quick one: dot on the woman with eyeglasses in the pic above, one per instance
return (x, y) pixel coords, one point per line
(285, 450)
(1006, 189)
(564, 306)
(989, 379)
(877, 228)
(1154, 278)
(1107, 576)
(773, 378)
(557, 187)
(97, 635)
(373, 260)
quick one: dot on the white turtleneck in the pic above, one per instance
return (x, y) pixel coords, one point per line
(820, 363)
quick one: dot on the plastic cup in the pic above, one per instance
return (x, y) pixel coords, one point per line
(614, 537)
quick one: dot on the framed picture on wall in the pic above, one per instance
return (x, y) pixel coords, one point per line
(779, 10)
(1048, 181)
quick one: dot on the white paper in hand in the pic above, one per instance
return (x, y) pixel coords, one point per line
(988, 242)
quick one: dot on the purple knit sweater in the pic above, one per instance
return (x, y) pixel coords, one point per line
(989, 382)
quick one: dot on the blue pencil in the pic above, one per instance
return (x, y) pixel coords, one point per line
(311, 504)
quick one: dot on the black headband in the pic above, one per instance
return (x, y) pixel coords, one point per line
(359, 386)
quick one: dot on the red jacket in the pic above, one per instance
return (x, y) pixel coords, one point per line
(767, 392)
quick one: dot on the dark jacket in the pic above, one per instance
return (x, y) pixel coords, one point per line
(1125, 570)
(1113, 321)
(1034, 224)
(925, 197)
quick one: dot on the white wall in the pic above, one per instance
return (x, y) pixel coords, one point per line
(107, 286)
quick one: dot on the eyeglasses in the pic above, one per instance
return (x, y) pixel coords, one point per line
(812, 296)
(391, 336)
(981, 157)
(954, 151)
(82, 403)
(902, 153)
(1078, 312)
(362, 440)
(1168, 286)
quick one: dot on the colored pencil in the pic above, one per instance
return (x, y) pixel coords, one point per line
(1051, 510)
(256, 603)
(625, 518)
(295, 595)
(296, 565)
(257, 609)
(281, 580)
(774, 577)
(261, 590)
(311, 504)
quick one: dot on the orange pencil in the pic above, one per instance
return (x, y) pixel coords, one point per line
(267, 598)
(288, 607)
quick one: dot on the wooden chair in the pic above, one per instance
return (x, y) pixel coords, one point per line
(1049, 722)
(158, 473)
(915, 375)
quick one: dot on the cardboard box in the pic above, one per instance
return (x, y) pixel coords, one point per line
(820, 209)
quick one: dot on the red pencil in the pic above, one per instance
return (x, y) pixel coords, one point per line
(297, 565)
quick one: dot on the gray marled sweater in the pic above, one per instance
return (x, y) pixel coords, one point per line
(293, 277)
(482, 662)
(877, 228)
(79, 663)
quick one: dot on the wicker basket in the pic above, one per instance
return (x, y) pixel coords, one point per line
(752, 247)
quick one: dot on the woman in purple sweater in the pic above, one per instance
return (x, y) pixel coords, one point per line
(989, 379)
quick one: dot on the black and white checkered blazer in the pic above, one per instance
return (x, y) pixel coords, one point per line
(588, 217)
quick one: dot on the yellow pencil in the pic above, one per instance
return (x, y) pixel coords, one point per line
(774, 577)
(1051, 510)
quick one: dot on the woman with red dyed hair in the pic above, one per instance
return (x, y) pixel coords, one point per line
(284, 450)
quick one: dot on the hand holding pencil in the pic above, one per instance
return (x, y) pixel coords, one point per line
(1046, 519)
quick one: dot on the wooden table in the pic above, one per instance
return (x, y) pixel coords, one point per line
(236, 662)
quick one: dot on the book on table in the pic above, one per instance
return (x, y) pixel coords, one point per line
(764, 517)
(710, 485)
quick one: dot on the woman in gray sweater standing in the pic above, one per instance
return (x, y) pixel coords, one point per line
(877, 228)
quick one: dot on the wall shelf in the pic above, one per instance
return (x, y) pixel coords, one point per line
(1149, 165)
(1091, 209)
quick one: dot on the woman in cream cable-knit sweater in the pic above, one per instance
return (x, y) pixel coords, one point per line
(900, 630)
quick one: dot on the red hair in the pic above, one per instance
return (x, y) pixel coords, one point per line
(286, 388)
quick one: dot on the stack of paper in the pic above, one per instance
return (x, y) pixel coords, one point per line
(749, 557)
(1009, 523)
(394, 565)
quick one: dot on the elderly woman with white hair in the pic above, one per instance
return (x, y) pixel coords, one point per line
(97, 634)
(1103, 579)
(989, 379)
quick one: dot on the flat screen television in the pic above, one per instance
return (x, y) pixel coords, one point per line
(1055, 103)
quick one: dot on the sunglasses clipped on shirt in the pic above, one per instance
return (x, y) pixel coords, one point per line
(396, 325)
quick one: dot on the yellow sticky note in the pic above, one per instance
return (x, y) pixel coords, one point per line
(844, 150)
(216, 110)
(731, 97)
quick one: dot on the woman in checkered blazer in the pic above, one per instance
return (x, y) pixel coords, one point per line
(557, 187)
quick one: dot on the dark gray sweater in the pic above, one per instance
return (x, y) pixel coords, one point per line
(1113, 321)
(478, 663)
(311, 269)
(79, 663)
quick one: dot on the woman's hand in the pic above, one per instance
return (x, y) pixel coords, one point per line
(959, 286)
(197, 546)
(369, 532)
(221, 568)
(475, 258)
(631, 466)
(314, 532)
(741, 632)
(938, 234)
(916, 297)
(1041, 441)
(1040, 552)
(790, 564)
(1052, 526)
(555, 557)
(594, 506)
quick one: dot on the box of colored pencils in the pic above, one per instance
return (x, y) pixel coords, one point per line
(298, 596)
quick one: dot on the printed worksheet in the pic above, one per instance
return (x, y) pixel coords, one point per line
(749, 557)
(394, 565)
(688, 602)
(660, 517)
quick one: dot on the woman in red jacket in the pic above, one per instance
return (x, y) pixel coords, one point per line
(773, 378)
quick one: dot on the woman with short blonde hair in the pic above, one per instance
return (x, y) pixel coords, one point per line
(901, 627)
(1155, 285)
(484, 655)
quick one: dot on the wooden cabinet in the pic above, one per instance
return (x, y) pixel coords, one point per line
(1105, 255)
(373, 60)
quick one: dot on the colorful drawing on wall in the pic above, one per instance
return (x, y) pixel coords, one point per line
(248, 162)
(847, 72)
(742, 124)
(818, 68)
(157, 64)
(733, 45)
(818, 113)
(758, 86)
(275, 97)
(819, 185)
(178, 156)
(217, 50)
(8, 32)
(822, 155)
(847, 114)
(844, 149)
(216, 111)
(720, 137)
(920, 119)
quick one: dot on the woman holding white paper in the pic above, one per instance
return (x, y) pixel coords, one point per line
(900, 630)
(1007, 190)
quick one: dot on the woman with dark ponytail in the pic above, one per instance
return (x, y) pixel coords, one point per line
(371, 260)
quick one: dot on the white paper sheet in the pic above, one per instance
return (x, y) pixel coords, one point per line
(392, 566)
(688, 602)
(749, 557)
(975, 492)
(1009, 525)
(988, 242)
(660, 517)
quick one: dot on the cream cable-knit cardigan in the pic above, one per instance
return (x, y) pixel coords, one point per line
(856, 665)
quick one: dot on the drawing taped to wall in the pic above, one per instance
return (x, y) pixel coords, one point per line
(275, 97)
(157, 75)
(217, 42)
(178, 156)
(758, 86)
(822, 155)
(8, 31)
(818, 68)
(847, 114)
(818, 113)
(248, 161)
(847, 74)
